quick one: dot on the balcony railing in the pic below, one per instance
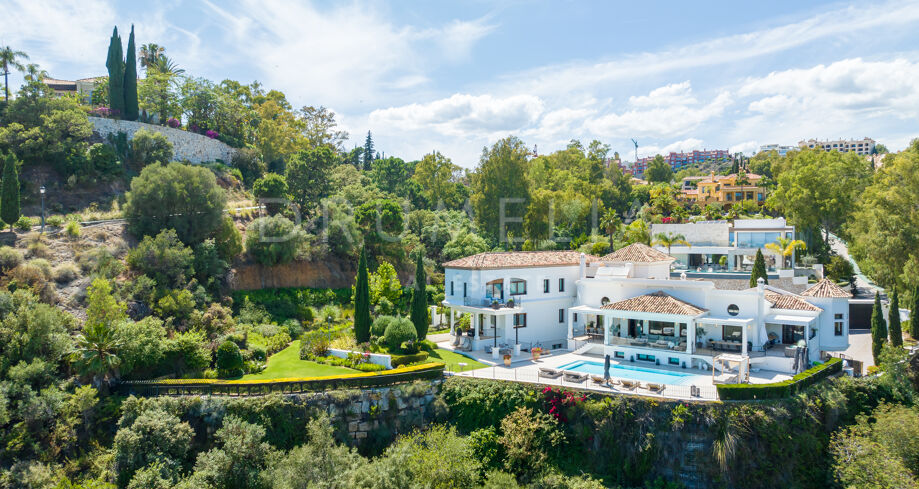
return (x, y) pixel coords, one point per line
(512, 303)
(653, 342)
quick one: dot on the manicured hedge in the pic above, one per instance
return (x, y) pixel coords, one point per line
(778, 390)
(399, 360)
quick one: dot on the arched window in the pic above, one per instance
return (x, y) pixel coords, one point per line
(604, 301)
(518, 286)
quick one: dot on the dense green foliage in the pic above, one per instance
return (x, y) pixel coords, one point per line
(9, 192)
(398, 332)
(130, 80)
(783, 389)
(419, 312)
(115, 65)
(878, 328)
(759, 270)
(362, 301)
(893, 326)
(274, 240)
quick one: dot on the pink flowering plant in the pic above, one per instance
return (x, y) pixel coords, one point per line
(560, 402)
(173, 122)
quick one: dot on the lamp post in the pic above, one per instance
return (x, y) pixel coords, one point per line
(42, 192)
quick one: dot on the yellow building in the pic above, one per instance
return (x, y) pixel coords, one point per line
(726, 189)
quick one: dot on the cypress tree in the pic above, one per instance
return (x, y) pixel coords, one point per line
(913, 313)
(9, 192)
(419, 312)
(130, 80)
(878, 329)
(759, 269)
(896, 331)
(368, 152)
(362, 301)
(115, 65)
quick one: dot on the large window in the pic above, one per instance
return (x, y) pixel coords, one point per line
(732, 333)
(518, 286)
(838, 325)
(756, 239)
(494, 289)
(520, 320)
(660, 328)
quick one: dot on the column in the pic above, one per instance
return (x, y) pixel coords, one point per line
(475, 327)
(691, 336)
(570, 324)
(452, 320)
(607, 322)
(743, 339)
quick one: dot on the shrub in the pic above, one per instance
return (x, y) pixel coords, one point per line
(149, 147)
(269, 190)
(101, 261)
(785, 388)
(23, 224)
(10, 258)
(104, 159)
(175, 196)
(178, 304)
(530, 440)
(839, 269)
(163, 258)
(229, 360)
(400, 331)
(72, 229)
(399, 360)
(378, 328)
(54, 221)
(369, 367)
(315, 344)
(248, 163)
(65, 273)
(274, 240)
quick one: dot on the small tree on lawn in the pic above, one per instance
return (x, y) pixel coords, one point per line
(913, 313)
(9, 192)
(420, 301)
(362, 301)
(896, 331)
(759, 269)
(878, 329)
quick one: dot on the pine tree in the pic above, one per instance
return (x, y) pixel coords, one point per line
(419, 312)
(878, 329)
(362, 301)
(914, 315)
(759, 269)
(130, 81)
(9, 192)
(115, 65)
(734, 167)
(368, 152)
(896, 331)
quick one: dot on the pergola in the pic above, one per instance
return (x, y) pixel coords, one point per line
(727, 360)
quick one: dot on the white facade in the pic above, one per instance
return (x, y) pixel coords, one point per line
(781, 150)
(738, 241)
(678, 322)
(863, 146)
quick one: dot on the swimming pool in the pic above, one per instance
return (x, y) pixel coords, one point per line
(642, 374)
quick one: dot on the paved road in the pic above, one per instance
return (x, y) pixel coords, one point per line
(861, 281)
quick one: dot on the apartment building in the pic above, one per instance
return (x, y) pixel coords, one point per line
(678, 161)
(861, 146)
(778, 148)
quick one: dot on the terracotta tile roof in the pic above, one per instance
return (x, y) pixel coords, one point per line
(787, 300)
(826, 288)
(518, 259)
(638, 253)
(750, 176)
(659, 302)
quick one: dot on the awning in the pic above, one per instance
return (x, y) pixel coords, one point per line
(788, 319)
(730, 321)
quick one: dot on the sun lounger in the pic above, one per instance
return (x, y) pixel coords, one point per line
(659, 388)
(629, 384)
(575, 377)
(597, 379)
(549, 373)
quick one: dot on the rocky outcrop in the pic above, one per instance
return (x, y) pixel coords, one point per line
(328, 274)
(185, 145)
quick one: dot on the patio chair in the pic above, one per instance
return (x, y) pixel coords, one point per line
(658, 388)
(549, 373)
(598, 379)
(629, 384)
(575, 377)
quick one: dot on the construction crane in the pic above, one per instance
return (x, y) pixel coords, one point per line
(636, 149)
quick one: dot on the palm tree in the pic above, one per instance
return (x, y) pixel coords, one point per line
(679, 214)
(149, 54)
(786, 247)
(34, 73)
(669, 239)
(167, 66)
(10, 59)
(95, 354)
(611, 222)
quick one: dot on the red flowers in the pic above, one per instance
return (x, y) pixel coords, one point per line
(559, 400)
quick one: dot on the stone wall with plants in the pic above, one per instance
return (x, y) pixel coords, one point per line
(186, 145)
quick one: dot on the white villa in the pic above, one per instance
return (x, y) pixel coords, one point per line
(627, 306)
(737, 240)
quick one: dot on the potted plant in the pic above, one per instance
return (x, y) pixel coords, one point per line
(510, 303)
(495, 304)
(537, 352)
(507, 359)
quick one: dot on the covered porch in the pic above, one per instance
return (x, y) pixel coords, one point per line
(646, 330)
(491, 329)
(786, 333)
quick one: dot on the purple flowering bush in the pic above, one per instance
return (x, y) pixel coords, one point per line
(211, 134)
(173, 122)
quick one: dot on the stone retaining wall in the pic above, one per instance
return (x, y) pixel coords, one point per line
(190, 146)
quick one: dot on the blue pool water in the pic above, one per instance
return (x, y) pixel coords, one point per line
(641, 374)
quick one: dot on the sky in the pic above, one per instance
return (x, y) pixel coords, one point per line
(457, 76)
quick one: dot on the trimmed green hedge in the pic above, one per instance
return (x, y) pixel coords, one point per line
(778, 390)
(399, 360)
(291, 302)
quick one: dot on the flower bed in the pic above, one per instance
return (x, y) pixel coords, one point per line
(778, 390)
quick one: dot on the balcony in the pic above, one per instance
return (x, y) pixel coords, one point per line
(488, 302)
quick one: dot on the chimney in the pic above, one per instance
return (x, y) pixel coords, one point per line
(582, 266)
(761, 284)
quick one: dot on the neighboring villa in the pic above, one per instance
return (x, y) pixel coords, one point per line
(726, 189)
(82, 88)
(738, 241)
(626, 305)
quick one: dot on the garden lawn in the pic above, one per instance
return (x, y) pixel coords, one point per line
(286, 363)
(453, 359)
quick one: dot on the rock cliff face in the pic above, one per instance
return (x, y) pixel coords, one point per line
(185, 145)
(332, 274)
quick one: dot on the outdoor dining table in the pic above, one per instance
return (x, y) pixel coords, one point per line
(726, 345)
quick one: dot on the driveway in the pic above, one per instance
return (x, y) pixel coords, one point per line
(861, 281)
(860, 346)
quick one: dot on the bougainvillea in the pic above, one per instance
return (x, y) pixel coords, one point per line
(211, 134)
(173, 122)
(558, 402)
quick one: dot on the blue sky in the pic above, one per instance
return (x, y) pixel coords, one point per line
(456, 76)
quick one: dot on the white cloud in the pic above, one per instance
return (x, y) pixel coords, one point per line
(677, 146)
(672, 94)
(463, 114)
(746, 147)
